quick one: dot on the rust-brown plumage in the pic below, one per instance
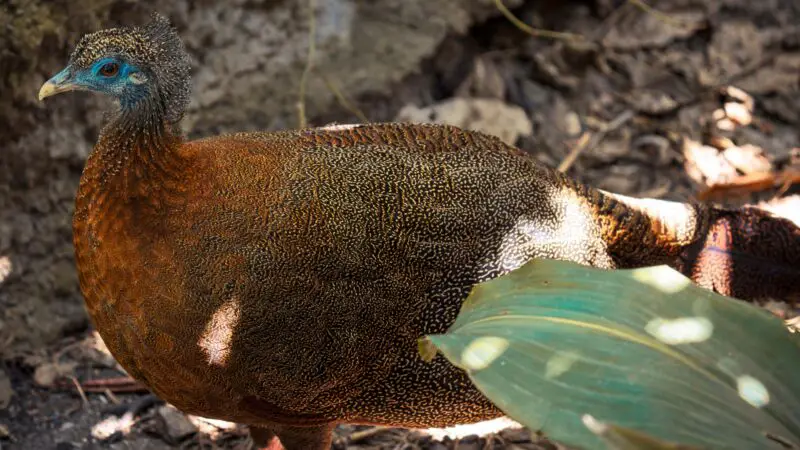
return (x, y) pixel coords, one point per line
(282, 279)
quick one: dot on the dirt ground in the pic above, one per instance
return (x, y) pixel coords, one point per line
(695, 100)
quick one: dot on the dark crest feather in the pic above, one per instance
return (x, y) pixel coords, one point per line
(173, 67)
(155, 48)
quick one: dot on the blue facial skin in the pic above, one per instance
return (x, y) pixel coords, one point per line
(118, 85)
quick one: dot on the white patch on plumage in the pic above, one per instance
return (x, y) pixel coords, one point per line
(681, 218)
(340, 126)
(571, 233)
(567, 232)
(216, 338)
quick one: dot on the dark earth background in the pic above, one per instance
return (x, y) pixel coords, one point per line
(660, 103)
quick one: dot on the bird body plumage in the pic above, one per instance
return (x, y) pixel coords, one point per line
(282, 279)
(329, 238)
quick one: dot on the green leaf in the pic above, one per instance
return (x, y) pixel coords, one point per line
(619, 438)
(645, 350)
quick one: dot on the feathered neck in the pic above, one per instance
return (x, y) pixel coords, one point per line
(136, 146)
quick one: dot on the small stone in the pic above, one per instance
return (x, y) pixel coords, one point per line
(572, 124)
(471, 442)
(490, 116)
(726, 125)
(740, 95)
(654, 102)
(5, 268)
(111, 428)
(176, 425)
(46, 374)
(739, 113)
(516, 435)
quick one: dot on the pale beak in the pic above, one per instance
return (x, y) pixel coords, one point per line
(58, 84)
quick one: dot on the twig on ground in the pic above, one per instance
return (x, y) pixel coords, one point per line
(589, 140)
(80, 391)
(666, 18)
(609, 22)
(117, 384)
(343, 100)
(579, 147)
(60, 353)
(566, 36)
(536, 32)
(359, 436)
(111, 397)
(312, 38)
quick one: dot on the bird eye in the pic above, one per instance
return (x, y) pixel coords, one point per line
(109, 69)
